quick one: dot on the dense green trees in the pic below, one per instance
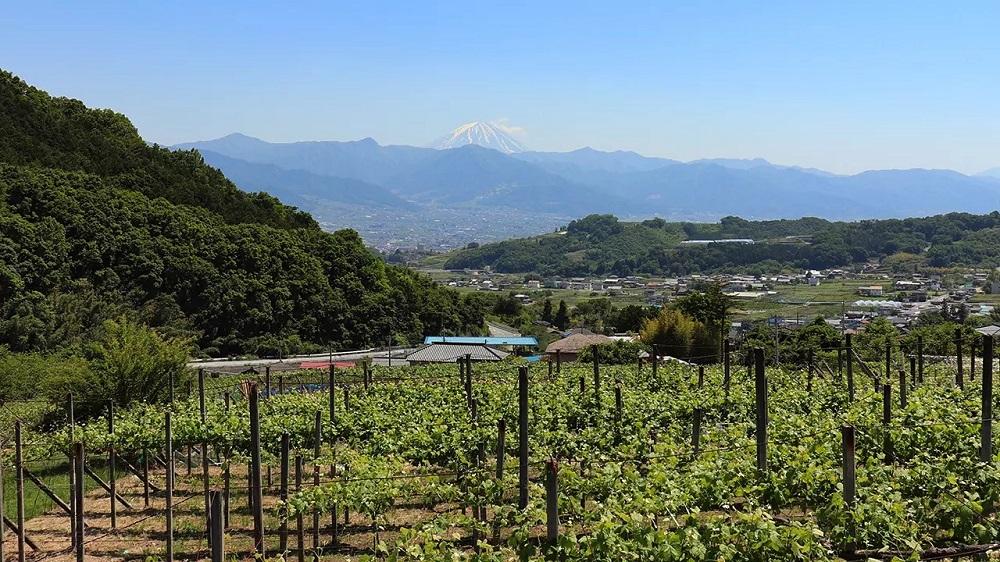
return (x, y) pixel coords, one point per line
(599, 245)
(95, 224)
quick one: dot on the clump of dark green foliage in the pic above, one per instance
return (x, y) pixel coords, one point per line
(96, 223)
(601, 244)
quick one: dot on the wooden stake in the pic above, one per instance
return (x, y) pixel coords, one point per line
(696, 431)
(78, 504)
(960, 374)
(283, 530)
(216, 535)
(522, 418)
(300, 531)
(850, 368)
(886, 421)
(726, 376)
(920, 359)
(112, 477)
(19, 479)
(552, 501)
(170, 487)
(902, 389)
(255, 472)
(318, 441)
(761, 407)
(986, 410)
(203, 412)
(597, 379)
(847, 443)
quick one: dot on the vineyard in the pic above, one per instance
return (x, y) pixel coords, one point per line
(497, 462)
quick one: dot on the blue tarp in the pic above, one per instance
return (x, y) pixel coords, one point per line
(519, 340)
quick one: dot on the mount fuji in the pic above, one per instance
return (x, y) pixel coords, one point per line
(483, 133)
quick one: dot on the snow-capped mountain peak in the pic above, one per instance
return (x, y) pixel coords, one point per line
(482, 133)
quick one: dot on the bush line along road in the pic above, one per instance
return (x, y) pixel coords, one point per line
(623, 462)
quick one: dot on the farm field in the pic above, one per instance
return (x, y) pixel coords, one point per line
(416, 463)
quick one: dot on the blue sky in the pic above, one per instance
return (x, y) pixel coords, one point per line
(844, 86)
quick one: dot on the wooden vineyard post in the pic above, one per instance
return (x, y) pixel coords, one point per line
(972, 359)
(960, 373)
(112, 478)
(283, 530)
(986, 411)
(726, 376)
(701, 376)
(760, 380)
(500, 454)
(696, 431)
(216, 535)
(920, 359)
(597, 379)
(850, 368)
(300, 531)
(522, 437)
(71, 421)
(618, 413)
(78, 528)
(913, 371)
(501, 445)
(886, 422)
(847, 440)
(145, 477)
(256, 485)
(226, 473)
(552, 501)
(468, 380)
(318, 440)
(203, 416)
(281, 384)
(188, 446)
(477, 464)
(267, 382)
(168, 438)
(902, 389)
(809, 372)
(333, 465)
(19, 480)
(558, 362)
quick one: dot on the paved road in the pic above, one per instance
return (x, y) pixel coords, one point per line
(378, 357)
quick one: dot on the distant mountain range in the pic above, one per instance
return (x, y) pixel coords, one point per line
(463, 174)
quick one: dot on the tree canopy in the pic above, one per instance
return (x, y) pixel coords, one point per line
(95, 223)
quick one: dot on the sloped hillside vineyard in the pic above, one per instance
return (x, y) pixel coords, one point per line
(636, 463)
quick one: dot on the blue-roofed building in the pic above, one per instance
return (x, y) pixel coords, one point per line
(518, 341)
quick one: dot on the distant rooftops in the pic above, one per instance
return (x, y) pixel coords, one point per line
(527, 341)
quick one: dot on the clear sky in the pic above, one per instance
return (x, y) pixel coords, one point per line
(839, 85)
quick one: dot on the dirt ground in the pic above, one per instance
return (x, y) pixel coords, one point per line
(141, 531)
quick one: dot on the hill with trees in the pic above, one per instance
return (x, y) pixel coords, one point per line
(95, 224)
(601, 244)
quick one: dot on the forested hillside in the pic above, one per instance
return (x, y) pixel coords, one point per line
(96, 224)
(601, 244)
